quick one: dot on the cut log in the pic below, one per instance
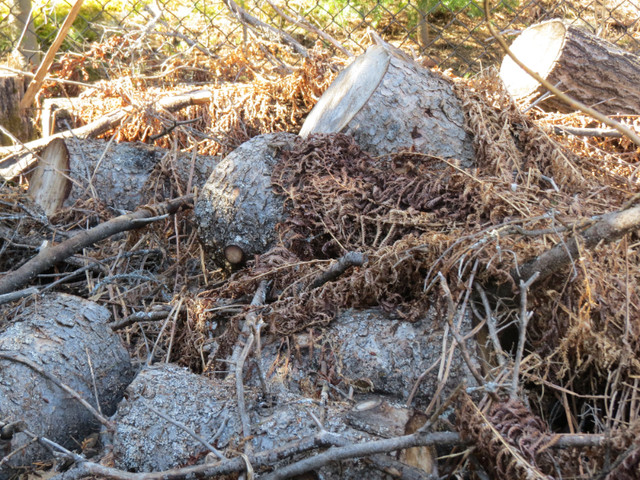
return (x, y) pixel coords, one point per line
(389, 103)
(12, 88)
(582, 65)
(116, 173)
(144, 441)
(69, 338)
(237, 210)
(376, 353)
(50, 184)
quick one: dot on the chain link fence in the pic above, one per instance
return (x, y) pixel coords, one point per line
(448, 33)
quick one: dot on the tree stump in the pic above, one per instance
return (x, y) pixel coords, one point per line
(237, 210)
(584, 66)
(389, 103)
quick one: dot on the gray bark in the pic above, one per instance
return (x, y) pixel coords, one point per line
(144, 441)
(389, 103)
(237, 209)
(61, 334)
(376, 353)
(116, 173)
(586, 67)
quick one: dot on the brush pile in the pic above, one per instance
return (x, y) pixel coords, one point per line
(532, 376)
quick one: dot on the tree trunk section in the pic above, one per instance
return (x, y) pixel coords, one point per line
(388, 103)
(118, 174)
(582, 65)
(12, 88)
(61, 334)
(237, 210)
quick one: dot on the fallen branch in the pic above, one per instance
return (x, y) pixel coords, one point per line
(349, 259)
(10, 166)
(362, 450)
(607, 229)
(224, 467)
(525, 316)
(262, 28)
(586, 132)
(52, 255)
(10, 297)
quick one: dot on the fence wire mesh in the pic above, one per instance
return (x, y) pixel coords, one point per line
(449, 34)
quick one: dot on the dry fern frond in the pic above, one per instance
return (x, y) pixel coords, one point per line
(506, 440)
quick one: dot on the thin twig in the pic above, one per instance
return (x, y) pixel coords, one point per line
(303, 23)
(260, 27)
(251, 320)
(525, 316)
(492, 326)
(190, 432)
(362, 449)
(454, 331)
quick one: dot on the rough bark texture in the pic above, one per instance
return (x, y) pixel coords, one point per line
(12, 88)
(60, 333)
(144, 441)
(237, 205)
(116, 173)
(373, 352)
(389, 103)
(584, 66)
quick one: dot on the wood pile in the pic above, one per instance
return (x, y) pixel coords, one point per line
(422, 281)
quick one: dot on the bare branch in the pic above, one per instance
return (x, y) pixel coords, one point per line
(607, 229)
(51, 255)
(525, 316)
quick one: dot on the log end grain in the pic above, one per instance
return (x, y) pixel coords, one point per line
(581, 64)
(538, 47)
